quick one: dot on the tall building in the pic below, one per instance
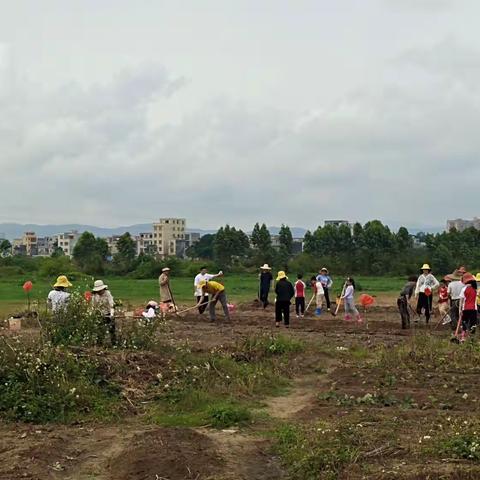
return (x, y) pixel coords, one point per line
(67, 241)
(460, 224)
(166, 232)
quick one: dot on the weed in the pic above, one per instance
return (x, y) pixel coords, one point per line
(228, 415)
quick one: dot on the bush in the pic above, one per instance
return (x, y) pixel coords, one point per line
(463, 446)
(228, 415)
(41, 383)
(258, 347)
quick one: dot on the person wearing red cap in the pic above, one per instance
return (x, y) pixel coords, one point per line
(468, 305)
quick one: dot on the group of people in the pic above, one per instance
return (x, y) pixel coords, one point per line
(101, 301)
(458, 299)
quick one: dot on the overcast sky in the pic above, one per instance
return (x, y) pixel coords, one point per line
(118, 111)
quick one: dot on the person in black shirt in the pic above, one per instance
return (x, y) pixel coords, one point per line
(284, 291)
(402, 302)
(266, 279)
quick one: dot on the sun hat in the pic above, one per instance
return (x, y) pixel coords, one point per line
(281, 274)
(467, 277)
(456, 275)
(426, 266)
(324, 269)
(265, 267)
(447, 278)
(62, 281)
(166, 269)
(98, 286)
(477, 277)
(462, 270)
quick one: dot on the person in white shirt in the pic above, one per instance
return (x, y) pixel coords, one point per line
(349, 299)
(426, 285)
(57, 298)
(455, 288)
(203, 276)
(103, 303)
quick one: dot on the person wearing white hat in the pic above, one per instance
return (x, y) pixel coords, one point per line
(103, 303)
(265, 279)
(164, 283)
(426, 284)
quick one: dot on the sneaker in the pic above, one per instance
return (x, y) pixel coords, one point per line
(297, 316)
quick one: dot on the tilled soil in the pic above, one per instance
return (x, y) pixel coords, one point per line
(134, 450)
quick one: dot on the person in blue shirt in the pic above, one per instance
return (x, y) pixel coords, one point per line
(324, 278)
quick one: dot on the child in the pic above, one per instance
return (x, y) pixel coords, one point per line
(284, 291)
(299, 288)
(402, 301)
(348, 297)
(469, 305)
(327, 283)
(443, 306)
(319, 296)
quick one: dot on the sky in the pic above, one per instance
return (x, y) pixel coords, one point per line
(120, 112)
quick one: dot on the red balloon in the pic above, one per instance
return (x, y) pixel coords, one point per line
(88, 296)
(27, 286)
(366, 300)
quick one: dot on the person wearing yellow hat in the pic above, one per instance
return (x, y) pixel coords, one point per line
(265, 283)
(57, 298)
(284, 291)
(216, 291)
(426, 284)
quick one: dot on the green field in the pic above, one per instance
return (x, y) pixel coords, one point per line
(240, 288)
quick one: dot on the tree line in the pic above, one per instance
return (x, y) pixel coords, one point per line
(369, 249)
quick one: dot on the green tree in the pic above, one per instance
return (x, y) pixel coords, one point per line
(230, 244)
(5, 247)
(203, 248)
(126, 247)
(286, 239)
(404, 240)
(90, 253)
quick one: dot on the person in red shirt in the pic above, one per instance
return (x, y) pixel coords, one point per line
(468, 305)
(443, 306)
(299, 288)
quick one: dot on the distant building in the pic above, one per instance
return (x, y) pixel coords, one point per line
(460, 224)
(46, 246)
(112, 244)
(297, 244)
(67, 241)
(337, 223)
(145, 244)
(166, 233)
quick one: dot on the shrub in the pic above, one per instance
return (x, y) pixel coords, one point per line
(256, 347)
(41, 383)
(228, 415)
(463, 446)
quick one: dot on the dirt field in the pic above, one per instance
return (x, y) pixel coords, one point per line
(389, 398)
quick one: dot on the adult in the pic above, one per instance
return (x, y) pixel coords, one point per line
(324, 278)
(455, 288)
(284, 291)
(166, 296)
(265, 279)
(217, 290)
(426, 284)
(57, 298)
(203, 276)
(103, 303)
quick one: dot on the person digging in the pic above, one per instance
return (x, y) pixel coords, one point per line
(216, 292)
(166, 296)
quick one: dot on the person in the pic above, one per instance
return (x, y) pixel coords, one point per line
(151, 310)
(300, 288)
(166, 296)
(203, 276)
(426, 285)
(284, 292)
(57, 298)
(477, 278)
(327, 282)
(218, 291)
(468, 305)
(319, 296)
(454, 290)
(404, 300)
(103, 303)
(349, 299)
(266, 279)
(443, 306)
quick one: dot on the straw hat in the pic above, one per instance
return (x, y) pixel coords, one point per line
(462, 270)
(62, 281)
(98, 286)
(265, 267)
(477, 277)
(323, 269)
(166, 269)
(426, 266)
(447, 278)
(467, 277)
(281, 274)
(456, 275)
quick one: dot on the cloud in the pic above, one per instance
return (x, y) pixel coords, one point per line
(428, 6)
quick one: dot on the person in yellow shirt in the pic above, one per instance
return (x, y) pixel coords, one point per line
(216, 291)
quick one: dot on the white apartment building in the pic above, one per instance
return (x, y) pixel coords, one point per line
(460, 224)
(166, 232)
(67, 241)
